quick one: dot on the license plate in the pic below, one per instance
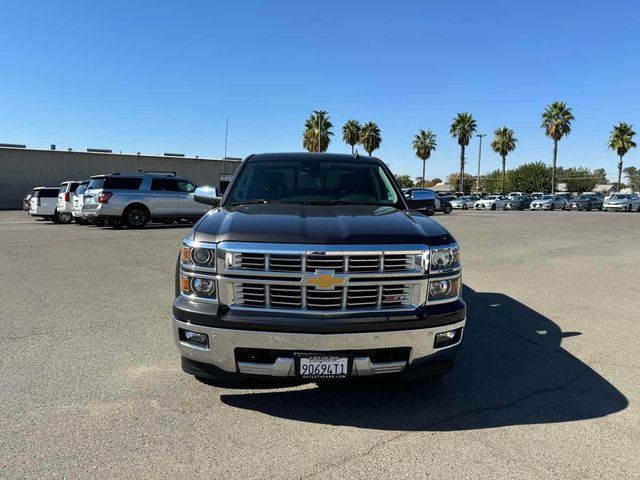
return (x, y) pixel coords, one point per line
(315, 367)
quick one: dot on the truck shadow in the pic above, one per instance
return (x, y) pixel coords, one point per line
(512, 370)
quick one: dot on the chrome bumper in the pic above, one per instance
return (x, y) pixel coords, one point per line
(223, 342)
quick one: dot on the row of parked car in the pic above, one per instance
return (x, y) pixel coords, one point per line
(540, 201)
(118, 199)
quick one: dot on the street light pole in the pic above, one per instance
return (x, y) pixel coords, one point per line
(480, 135)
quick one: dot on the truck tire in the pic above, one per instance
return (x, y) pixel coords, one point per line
(136, 216)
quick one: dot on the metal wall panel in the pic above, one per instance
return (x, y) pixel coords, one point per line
(23, 169)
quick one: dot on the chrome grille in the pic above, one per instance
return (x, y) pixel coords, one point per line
(297, 297)
(311, 262)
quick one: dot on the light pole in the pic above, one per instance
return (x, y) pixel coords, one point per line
(480, 135)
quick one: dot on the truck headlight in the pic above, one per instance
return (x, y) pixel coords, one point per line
(198, 257)
(443, 259)
(198, 287)
(441, 290)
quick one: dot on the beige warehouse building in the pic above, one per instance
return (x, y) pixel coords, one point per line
(23, 168)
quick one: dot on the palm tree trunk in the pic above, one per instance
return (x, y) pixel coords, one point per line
(351, 149)
(553, 170)
(619, 172)
(424, 166)
(504, 163)
(462, 168)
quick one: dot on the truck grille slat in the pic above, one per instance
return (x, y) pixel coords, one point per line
(289, 297)
(309, 263)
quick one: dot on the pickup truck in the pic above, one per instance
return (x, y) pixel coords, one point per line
(315, 266)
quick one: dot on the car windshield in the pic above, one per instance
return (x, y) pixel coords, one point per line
(313, 182)
(620, 197)
(464, 199)
(491, 197)
(546, 197)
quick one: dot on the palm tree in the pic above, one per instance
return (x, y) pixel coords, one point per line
(463, 128)
(370, 137)
(317, 130)
(621, 140)
(503, 142)
(556, 121)
(424, 143)
(351, 133)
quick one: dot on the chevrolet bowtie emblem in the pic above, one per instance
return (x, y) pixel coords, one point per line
(324, 280)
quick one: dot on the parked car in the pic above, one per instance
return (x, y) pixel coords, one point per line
(253, 297)
(536, 195)
(622, 202)
(137, 198)
(586, 201)
(44, 203)
(567, 195)
(26, 201)
(465, 202)
(422, 199)
(511, 195)
(78, 200)
(518, 202)
(491, 202)
(65, 200)
(443, 204)
(550, 202)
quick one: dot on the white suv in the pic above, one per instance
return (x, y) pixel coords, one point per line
(65, 200)
(44, 203)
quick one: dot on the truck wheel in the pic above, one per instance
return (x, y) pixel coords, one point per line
(136, 216)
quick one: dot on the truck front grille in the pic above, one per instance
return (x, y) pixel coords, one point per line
(309, 263)
(297, 297)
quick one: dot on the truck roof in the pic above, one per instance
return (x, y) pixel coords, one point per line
(301, 156)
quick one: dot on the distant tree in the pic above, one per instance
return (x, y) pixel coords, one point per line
(531, 177)
(370, 137)
(600, 174)
(504, 142)
(579, 179)
(556, 121)
(462, 129)
(633, 174)
(351, 133)
(621, 140)
(405, 181)
(494, 182)
(454, 180)
(317, 132)
(424, 142)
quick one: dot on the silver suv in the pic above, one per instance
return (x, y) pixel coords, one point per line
(134, 199)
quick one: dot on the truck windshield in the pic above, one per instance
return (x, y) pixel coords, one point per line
(313, 182)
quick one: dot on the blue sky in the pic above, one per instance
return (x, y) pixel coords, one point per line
(163, 76)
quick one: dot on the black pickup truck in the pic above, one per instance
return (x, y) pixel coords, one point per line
(316, 266)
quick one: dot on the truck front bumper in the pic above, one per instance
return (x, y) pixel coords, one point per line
(221, 356)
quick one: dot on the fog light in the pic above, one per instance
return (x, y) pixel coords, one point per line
(440, 288)
(200, 339)
(444, 339)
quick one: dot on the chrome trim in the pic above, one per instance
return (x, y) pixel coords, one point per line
(299, 249)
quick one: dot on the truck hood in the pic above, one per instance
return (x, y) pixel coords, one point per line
(339, 224)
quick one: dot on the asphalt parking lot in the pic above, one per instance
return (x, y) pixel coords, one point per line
(546, 385)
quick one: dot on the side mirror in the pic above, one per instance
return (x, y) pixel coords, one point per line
(207, 195)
